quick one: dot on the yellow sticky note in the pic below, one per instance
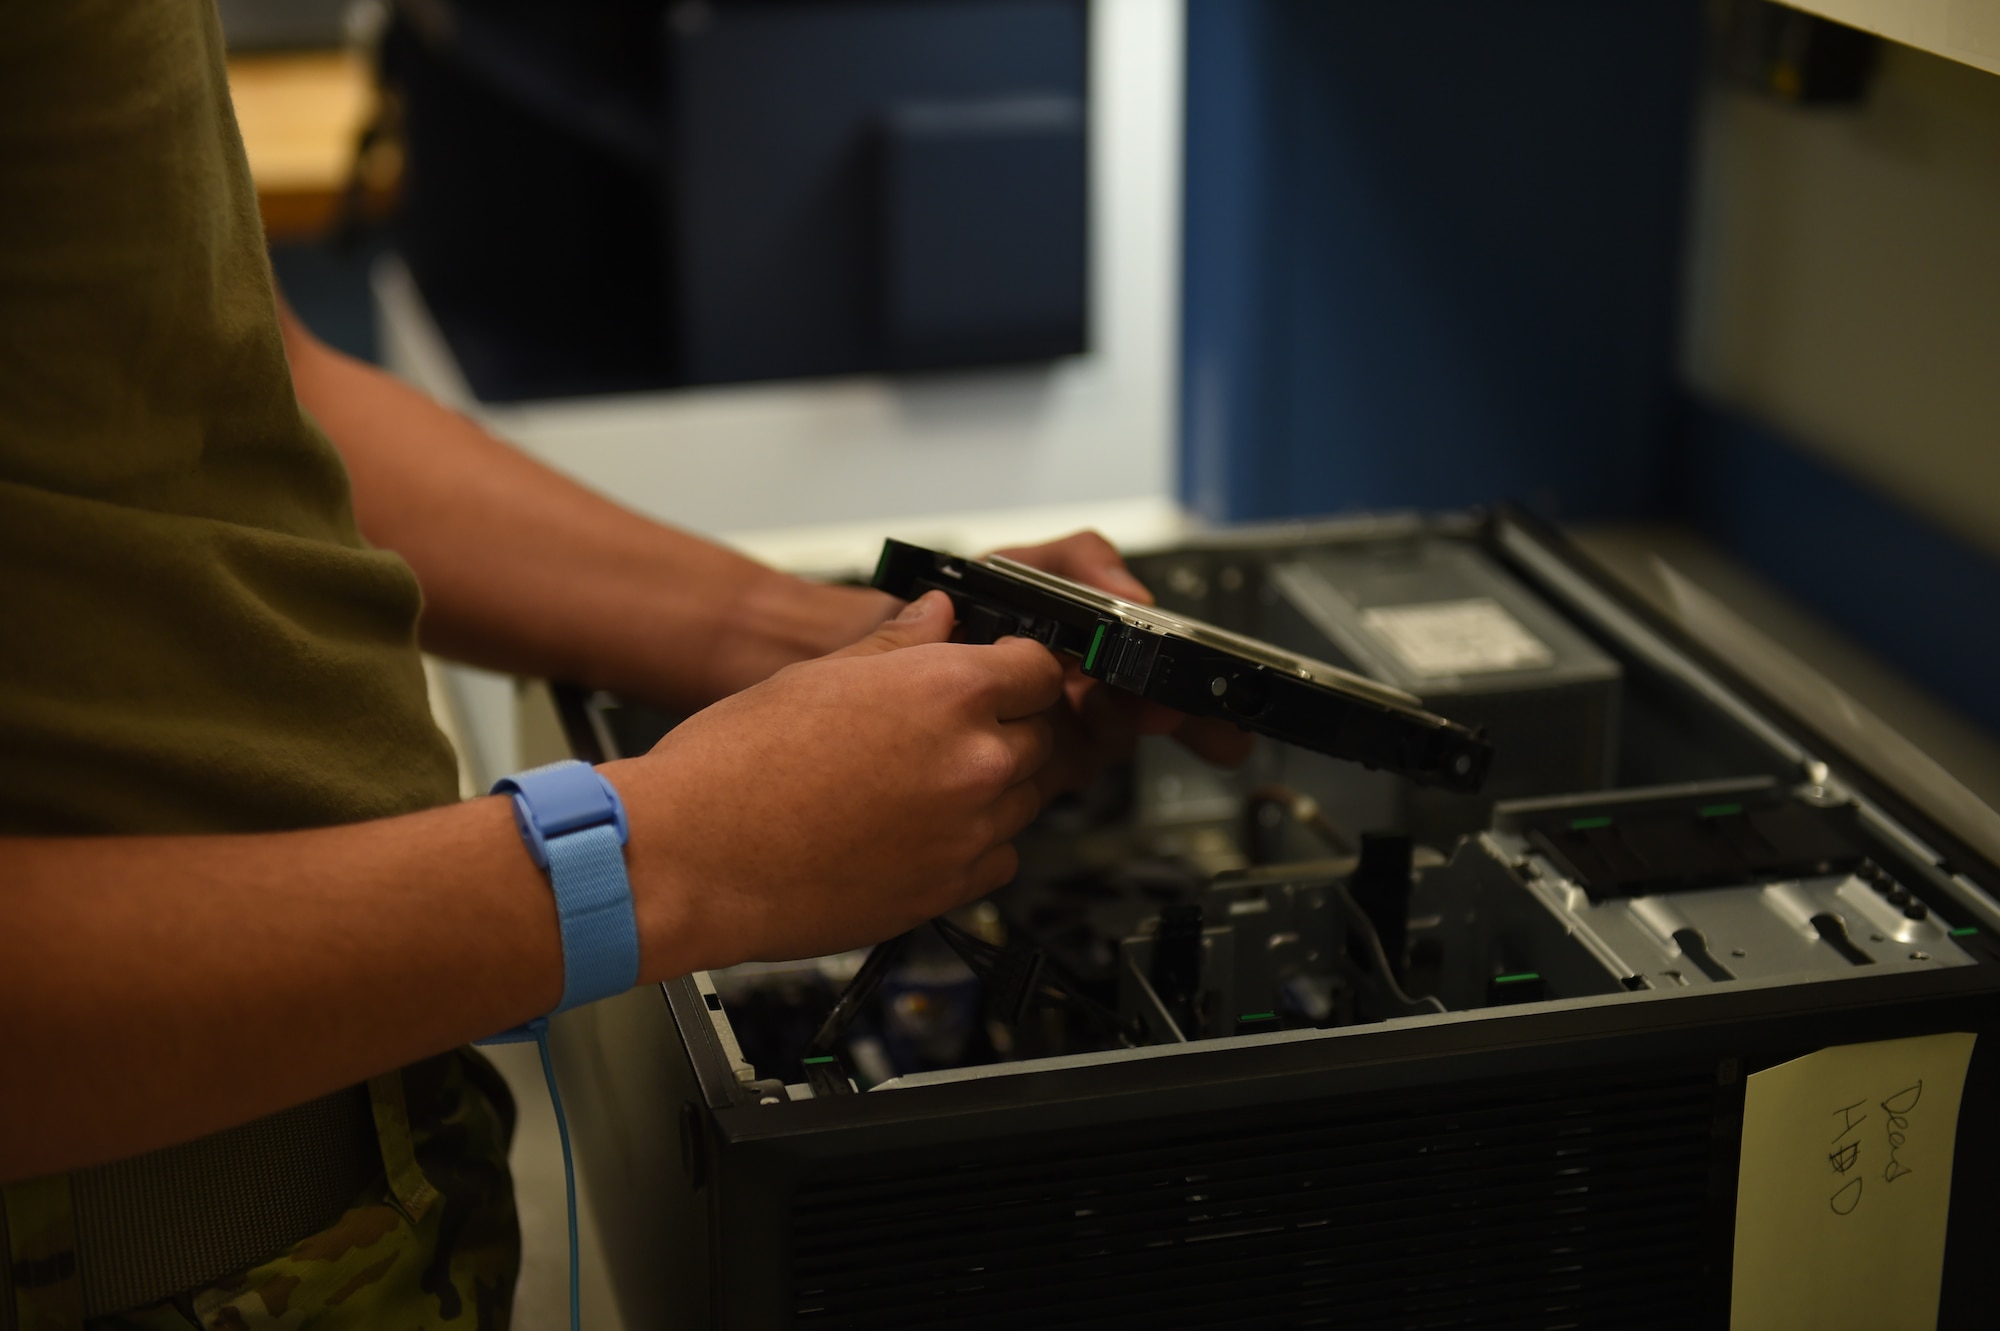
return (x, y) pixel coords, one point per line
(1845, 1185)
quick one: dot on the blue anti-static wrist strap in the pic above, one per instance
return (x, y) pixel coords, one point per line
(600, 941)
(574, 826)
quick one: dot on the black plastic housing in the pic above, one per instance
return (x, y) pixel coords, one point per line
(1201, 676)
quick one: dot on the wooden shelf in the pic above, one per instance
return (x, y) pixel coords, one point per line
(302, 117)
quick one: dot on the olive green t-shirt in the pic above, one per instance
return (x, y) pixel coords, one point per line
(193, 634)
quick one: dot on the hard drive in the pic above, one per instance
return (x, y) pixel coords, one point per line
(1195, 667)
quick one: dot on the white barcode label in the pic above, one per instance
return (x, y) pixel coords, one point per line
(1471, 637)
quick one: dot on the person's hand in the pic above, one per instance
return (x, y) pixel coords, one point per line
(1085, 557)
(1101, 724)
(842, 801)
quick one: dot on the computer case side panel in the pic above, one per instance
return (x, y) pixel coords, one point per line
(1584, 1154)
(643, 1143)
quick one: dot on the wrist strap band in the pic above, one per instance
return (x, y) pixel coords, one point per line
(573, 824)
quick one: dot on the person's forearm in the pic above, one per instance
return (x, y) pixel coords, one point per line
(157, 988)
(526, 571)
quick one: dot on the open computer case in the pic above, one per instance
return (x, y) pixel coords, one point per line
(1310, 1045)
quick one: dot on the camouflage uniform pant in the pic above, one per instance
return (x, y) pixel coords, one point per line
(433, 1244)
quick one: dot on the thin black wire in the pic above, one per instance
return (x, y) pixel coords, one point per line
(859, 990)
(1357, 919)
(1306, 811)
(1058, 984)
(981, 958)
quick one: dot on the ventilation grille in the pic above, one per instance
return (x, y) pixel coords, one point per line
(1541, 1207)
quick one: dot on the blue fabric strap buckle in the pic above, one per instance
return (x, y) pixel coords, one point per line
(574, 826)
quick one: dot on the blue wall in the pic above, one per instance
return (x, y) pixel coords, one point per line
(1432, 251)
(1922, 599)
(1432, 260)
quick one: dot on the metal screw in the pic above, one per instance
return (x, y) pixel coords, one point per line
(1920, 956)
(1218, 686)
